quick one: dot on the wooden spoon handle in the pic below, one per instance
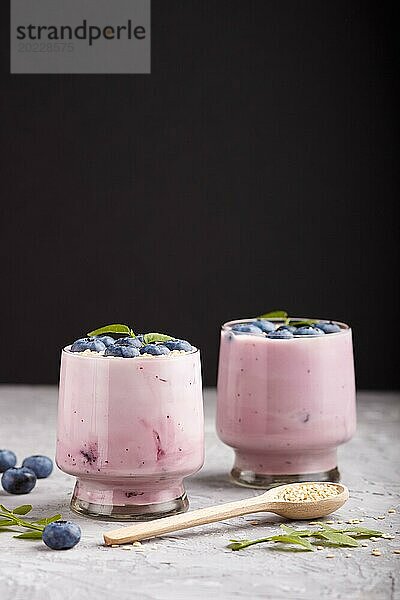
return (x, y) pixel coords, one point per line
(142, 531)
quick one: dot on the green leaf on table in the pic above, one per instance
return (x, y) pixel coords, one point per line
(293, 531)
(274, 314)
(240, 544)
(115, 328)
(340, 539)
(5, 522)
(47, 521)
(293, 539)
(29, 535)
(362, 532)
(22, 510)
(151, 338)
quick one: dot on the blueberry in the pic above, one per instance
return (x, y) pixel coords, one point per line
(309, 330)
(106, 339)
(7, 460)
(155, 349)
(121, 351)
(18, 480)
(129, 341)
(330, 327)
(264, 325)
(61, 535)
(280, 334)
(178, 345)
(245, 328)
(93, 344)
(42, 466)
(288, 327)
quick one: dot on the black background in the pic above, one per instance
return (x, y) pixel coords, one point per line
(254, 169)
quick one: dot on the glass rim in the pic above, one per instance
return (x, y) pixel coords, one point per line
(281, 320)
(68, 352)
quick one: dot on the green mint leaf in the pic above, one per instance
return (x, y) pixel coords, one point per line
(47, 521)
(240, 544)
(116, 328)
(304, 323)
(22, 510)
(5, 522)
(292, 539)
(362, 532)
(30, 535)
(274, 314)
(299, 532)
(150, 338)
(340, 539)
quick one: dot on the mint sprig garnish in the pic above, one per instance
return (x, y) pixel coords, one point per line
(151, 338)
(33, 528)
(274, 314)
(344, 537)
(115, 328)
(283, 315)
(303, 323)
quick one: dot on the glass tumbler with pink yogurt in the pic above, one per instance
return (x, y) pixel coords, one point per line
(286, 398)
(130, 425)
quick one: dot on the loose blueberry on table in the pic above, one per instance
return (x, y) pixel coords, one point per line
(18, 480)
(61, 535)
(7, 460)
(42, 466)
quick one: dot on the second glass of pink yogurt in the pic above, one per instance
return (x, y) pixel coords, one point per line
(130, 426)
(286, 401)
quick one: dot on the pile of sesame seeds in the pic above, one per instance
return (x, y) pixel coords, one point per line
(307, 492)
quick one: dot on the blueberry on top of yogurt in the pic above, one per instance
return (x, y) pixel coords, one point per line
(154, 349)
(178, 345)
(265, 325)
(92, 344)
(246, 328)
(122, 351)
(309, 330)
(120, 341)
(134, 342)
(330, 327)
(280, 334)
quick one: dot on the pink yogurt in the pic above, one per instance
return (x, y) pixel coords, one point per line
(130, 430)
(285, 405)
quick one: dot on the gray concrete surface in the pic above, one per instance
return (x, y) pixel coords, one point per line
(196, 564)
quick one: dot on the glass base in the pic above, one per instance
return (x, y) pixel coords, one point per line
(266, 482)
(132, 500)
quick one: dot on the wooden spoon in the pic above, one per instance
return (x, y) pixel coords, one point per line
(266, 502)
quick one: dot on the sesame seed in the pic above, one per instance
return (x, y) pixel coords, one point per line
(330, 556)
(320, 547)
(376, 553)
(381, 517)
(396, 551)
(114, 546)
(392, 511)
(136, 544)
(364, 545)
(307, 492)
(329, 522)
